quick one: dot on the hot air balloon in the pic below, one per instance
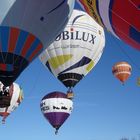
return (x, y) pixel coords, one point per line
(138, 81)
(26, 27)
(16, 94)
(122, 71)
(76, 50)
(120, 17)
(56, 108)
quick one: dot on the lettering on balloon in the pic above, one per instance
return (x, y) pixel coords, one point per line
(70, 109)
(54, 107)
(76, 35)
(63, 107)
(42, 104)
(45, 108)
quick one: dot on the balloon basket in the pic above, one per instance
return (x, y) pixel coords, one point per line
(3, 121)
(5, 101)
(56, 132)
(123, 84)
(70, 94)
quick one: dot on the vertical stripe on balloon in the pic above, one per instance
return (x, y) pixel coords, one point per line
(21, 40)
(0, 45)
(84, 3)
(98, 14)
(10, 67)
(4, 31)
(110, 13)
(6, 67)
(27, 45)
(134, 34)
(14, 33)
(2, 67)
(32, 48)
(37, 51)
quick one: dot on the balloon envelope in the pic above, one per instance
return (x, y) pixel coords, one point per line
(138, 81)
(56, 108)
(16, 94)
(120, 17)
(122, 71)
(76, 50)
(26, 27)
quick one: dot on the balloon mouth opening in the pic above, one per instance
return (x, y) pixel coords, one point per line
(70, 79)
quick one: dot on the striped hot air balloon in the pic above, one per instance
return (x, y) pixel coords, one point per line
(26, 28)
(56, 108)
(122, 71)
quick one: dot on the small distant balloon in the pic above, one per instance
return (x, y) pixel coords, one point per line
(122, 71)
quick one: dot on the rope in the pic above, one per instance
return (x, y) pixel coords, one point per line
(134, 5)
(34, 83)
(125, 53)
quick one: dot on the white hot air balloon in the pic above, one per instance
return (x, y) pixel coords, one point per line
(16, 94)
(76, 50)
(56, 108)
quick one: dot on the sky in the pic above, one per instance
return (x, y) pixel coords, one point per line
(104, 109)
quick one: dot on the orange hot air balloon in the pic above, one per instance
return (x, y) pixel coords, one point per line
(122, 71)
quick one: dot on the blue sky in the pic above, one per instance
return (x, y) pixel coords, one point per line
(104, 109)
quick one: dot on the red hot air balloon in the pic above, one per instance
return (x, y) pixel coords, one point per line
(122, 71)
(56, 108)
(120, 17)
